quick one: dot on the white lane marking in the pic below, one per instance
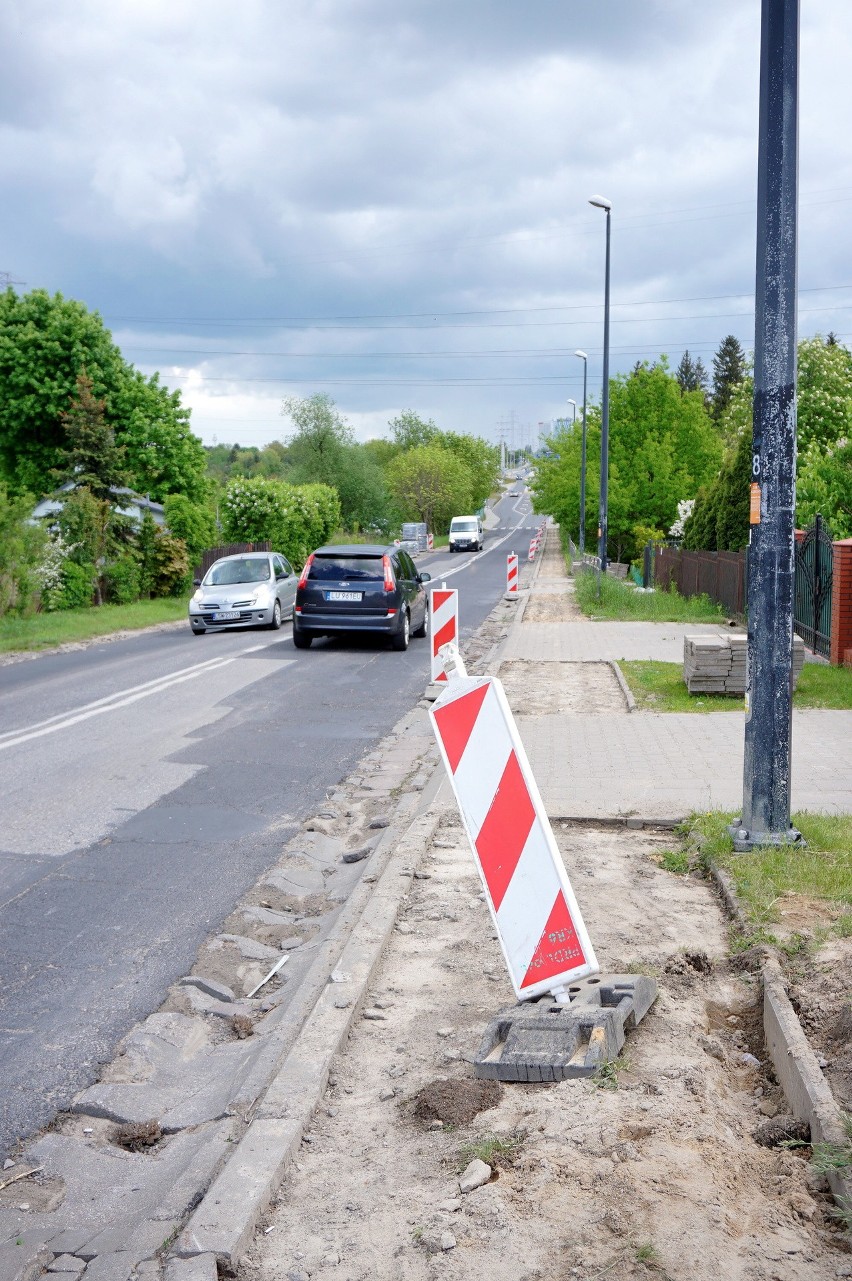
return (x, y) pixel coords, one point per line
(100, 702)
(117, 700)
(122, 698)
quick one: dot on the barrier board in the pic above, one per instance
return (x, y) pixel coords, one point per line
(540, 927)
(443, 626)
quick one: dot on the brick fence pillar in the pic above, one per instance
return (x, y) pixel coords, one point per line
(841, 604)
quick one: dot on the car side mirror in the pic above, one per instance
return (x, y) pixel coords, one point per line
(196, 582)
(424, 577)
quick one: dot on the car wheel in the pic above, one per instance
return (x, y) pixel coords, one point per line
(423, 629)
(301, 639)
(276, 616)
(402, 637)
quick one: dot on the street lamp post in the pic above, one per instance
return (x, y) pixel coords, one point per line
(582, 355)
(601, 202)
(574, 403)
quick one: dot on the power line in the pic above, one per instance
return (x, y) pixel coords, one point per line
(438, 315)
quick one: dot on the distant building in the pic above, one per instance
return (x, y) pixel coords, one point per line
(134, 506)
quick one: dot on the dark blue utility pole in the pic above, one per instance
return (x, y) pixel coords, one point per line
(768, 729)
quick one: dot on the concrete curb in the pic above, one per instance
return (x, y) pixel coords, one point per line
(796, 1067)
(799, 1074)
(224, 1223)
(625, 688)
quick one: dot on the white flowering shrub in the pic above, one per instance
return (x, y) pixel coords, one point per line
(294, 518)
(684, 511)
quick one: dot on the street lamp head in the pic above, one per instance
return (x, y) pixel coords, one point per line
(581, 354)
(572, 402)
(601, 202)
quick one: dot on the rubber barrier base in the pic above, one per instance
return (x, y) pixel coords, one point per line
(544, 1041)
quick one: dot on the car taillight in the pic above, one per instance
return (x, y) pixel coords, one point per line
(390, 585)
(303, 577)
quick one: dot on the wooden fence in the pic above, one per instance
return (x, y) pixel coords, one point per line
(719, 575)
(228, 549)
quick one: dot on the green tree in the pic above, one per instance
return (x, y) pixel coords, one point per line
(663, 447)
(824, 486)
(691, 374)
(429, 483)
(410, 431)
(315, 449)
(194, 523)
(729, 368)
(45, 343)
(90, 457)
(163, 455)
(824, 424)
(481, 460)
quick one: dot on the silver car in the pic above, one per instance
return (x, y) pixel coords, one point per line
(252, 589)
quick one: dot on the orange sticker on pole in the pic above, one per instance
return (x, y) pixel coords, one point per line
(754, 504)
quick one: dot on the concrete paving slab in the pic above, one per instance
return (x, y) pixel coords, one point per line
(671, 764)
(177, 1076)
(19, 1263)
(116, 1199)
(202, 1267)
(584, 641)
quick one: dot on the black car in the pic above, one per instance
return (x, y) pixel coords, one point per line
(360, 588)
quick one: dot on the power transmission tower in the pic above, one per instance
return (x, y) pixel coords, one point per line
(7, 281)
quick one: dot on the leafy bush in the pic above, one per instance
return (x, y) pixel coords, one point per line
(21, 552)
(121, 579)
(77, 586)
(194, 522)
(172, 570)
(294, 518)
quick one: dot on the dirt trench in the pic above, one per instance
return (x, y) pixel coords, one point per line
(651, 1172)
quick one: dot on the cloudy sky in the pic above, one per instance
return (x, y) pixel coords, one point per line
(388, 201)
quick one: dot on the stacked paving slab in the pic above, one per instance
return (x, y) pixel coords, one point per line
(717, 664)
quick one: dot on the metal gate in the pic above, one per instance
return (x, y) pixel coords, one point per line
(814, 560)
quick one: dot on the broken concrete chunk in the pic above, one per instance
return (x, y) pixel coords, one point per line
(220, 991)
(250, 949)
(356, 856)
(475, 1176)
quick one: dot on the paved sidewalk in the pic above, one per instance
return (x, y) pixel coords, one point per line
(666, 766)
(655, 764)
(583, 641)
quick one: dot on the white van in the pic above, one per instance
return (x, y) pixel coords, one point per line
(465, 534)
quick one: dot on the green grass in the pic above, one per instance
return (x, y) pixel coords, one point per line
(44, 631)
(618, 601)
(821, 871)
(491, 1149)
(660, 687)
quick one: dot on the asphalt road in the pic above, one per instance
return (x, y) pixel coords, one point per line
(144, 786)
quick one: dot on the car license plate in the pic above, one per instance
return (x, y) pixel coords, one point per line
(344, 595)
(222, 614)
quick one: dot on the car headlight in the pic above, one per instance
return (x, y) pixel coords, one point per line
(197, 597)
(262, 597)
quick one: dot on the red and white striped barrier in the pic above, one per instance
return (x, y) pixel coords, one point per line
(430, 542)
(538, 922)
(533, 549)
(443, 626)
(512, 576)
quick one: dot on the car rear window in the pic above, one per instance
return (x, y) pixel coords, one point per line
(346, 568)
(463, 526)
